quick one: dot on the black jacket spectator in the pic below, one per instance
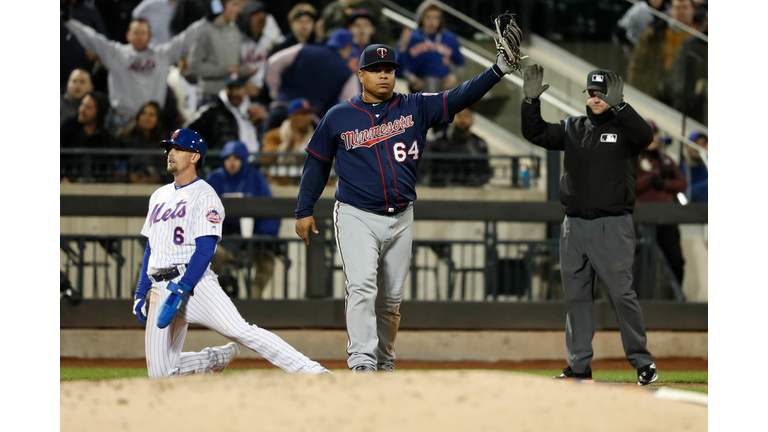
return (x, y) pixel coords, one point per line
(87, 129)
(215, 123)
(472, 171)
(145, 133)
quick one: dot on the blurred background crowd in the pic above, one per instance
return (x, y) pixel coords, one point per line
(255, 77)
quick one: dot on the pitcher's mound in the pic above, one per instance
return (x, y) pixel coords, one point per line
(400, 401)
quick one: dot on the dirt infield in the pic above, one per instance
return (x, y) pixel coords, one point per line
(668, 364)
(406, 401)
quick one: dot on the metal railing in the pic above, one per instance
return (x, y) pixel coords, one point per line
(441, 169)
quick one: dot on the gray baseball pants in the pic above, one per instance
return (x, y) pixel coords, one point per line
(375, 252)
(604, 247)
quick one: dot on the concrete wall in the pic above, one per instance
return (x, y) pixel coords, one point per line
(411, 345)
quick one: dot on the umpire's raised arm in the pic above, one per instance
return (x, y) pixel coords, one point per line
(548, 135)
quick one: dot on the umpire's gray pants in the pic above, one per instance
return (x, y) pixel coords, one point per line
(606, 247)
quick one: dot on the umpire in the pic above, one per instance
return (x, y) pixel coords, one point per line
(597, 191)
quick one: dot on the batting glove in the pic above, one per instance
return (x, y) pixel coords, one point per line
(140, 307)
(179, 294)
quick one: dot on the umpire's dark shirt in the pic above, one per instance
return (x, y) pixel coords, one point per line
(600, 161)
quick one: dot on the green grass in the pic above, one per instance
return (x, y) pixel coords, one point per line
(630, 376)
(91, 374)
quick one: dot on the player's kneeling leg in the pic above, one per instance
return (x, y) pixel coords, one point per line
(179, 294)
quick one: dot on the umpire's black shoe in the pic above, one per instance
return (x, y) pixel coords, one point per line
(647, 375)
(568, 373)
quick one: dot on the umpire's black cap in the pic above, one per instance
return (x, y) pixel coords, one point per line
(377, 53)
(598, 80)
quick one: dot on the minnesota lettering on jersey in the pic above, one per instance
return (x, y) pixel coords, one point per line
(376, 134)
(178, 212)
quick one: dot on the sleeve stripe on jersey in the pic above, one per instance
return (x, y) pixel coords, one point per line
(323, 158)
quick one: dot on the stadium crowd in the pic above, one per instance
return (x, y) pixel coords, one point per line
(236, 70)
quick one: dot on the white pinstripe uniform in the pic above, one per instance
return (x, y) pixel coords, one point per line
(176, 217)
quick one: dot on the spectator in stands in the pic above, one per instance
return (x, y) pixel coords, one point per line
(302, 20)
(216, 53)
(639, 18)
(230, 117)
(184, 87)
(236, 180)
(291, 137)
(158, 14)
(137, 72)
(72, 54)
(425, 54)
(655, 52)
(331, 80)
(144, 133)
(78, 85)
(87, 129)
(336, 14)
(255, 46)
(698, 177)
(660, 180)
(457, 139)
(362, 25)
(688, 75)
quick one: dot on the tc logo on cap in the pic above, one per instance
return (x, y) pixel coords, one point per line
(382, 52)
(597, 78)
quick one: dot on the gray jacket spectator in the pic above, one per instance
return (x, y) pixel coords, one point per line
(216, 54)
(78, 85)
(137, 72)
(638, 18)
(158, 13)
(256, 43)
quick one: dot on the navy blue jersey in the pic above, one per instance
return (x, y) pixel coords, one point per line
(378, 146)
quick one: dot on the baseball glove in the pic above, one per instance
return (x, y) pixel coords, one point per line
(509, 37)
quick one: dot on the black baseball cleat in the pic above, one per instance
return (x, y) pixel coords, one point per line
(568, 373)
(647, 375)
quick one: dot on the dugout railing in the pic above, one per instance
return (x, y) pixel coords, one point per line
(486, 269)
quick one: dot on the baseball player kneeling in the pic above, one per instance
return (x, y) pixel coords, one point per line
(176, 286)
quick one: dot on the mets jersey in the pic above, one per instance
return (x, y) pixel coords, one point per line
(176, 217)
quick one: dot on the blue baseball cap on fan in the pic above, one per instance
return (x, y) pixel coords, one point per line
(377, 53)
(299, 105)
(340, 38)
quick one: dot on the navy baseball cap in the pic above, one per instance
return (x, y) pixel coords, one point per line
(340, 38)
(235, 79)
(598, 80)
(299, 104)
(377, 53)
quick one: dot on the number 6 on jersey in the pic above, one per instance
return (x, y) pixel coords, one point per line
(401, 156)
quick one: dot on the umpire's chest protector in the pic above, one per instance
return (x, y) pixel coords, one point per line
(599, 176)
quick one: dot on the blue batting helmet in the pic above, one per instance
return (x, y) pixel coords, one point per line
(188, 139)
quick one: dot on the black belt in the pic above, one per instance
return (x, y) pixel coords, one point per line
(165, 276)
(395, 210)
